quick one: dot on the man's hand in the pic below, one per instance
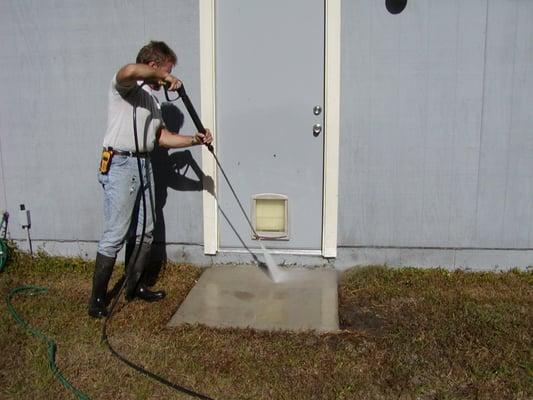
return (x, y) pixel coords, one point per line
(171, 82)
(152, 73)
(201, 138)
(171, 140)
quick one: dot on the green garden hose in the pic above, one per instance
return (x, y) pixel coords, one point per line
(52, 347)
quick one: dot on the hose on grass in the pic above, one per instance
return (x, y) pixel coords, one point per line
(51, 345)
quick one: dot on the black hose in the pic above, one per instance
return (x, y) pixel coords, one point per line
(105, 338)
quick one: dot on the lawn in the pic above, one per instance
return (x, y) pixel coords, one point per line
(406, 334)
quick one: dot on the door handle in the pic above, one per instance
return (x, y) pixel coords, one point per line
(317, 128)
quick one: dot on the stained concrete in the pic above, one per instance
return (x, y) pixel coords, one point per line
(245, 297)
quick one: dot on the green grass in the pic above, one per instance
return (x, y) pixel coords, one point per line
(406, 333)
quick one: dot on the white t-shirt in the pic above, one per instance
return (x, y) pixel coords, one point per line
(121, 101)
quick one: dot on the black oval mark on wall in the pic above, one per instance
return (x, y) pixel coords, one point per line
(395, 6)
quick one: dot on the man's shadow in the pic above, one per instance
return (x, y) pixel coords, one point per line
(170, 170)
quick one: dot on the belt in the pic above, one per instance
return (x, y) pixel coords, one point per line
(129, 153)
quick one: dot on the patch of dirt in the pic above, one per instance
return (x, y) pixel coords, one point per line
(355, 318)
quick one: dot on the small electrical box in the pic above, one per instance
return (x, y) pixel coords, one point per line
(24, 217)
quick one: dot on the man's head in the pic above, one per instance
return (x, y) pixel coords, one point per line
(157, 52)
(157, 55)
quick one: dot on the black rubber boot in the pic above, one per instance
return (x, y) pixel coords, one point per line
(146, 294)
(103, 268)
(135, 285)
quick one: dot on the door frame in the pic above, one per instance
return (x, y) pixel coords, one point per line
(332, 71)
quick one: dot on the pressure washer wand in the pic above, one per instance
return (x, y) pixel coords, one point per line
(192, 112)
(273, 270)
(200, 127)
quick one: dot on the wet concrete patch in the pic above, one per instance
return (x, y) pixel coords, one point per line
(244, 296)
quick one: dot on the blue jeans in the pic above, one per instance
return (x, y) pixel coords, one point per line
(123, 208)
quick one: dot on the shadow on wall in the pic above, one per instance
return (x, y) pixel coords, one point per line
(170, 170)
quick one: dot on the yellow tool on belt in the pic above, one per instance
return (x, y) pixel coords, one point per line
(105, 162)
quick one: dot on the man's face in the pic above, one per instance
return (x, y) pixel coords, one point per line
(165, 66)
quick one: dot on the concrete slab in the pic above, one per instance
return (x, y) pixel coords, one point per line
(245, 297)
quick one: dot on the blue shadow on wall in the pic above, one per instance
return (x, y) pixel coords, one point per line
(170, 170)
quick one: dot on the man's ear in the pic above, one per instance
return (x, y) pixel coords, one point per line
(152, 64)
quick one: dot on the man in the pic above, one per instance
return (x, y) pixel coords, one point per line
(130, 91)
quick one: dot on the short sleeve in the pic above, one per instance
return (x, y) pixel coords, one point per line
(119, 89)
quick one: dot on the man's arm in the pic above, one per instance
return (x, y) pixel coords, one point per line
(129, 74)
(172, 140)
